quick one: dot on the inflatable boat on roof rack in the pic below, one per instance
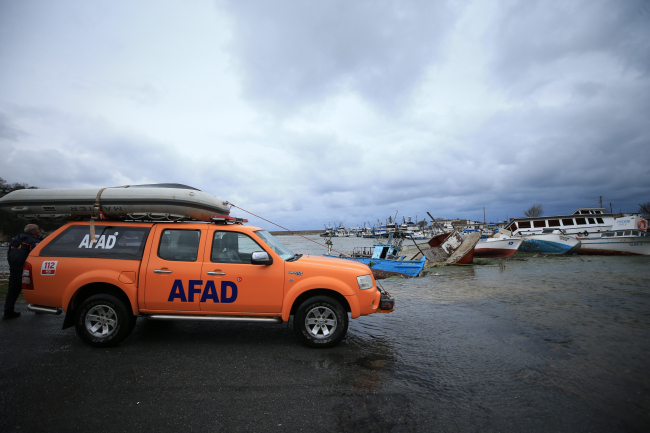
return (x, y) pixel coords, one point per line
(169, 202)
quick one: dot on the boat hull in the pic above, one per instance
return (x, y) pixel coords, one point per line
(446, 249)
(411, 268)
(549, 244)
(497, 248)
(626, 246)
(406, 268)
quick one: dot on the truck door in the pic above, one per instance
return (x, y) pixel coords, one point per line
(232, 283)
(173, 276)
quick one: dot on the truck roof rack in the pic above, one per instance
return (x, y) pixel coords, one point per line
(222, 219)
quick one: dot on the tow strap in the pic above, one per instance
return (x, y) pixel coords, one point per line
(97, 212)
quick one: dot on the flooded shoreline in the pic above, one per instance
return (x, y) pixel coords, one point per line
(569, 323)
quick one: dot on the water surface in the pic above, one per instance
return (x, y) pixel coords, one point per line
(463, 335)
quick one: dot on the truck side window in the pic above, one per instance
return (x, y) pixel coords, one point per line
(111, 242)
(179, 245)
(233, 247)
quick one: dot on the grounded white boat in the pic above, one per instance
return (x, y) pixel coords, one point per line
(584, 220)
(550, 241)
(498, 246)
(619, 242)
(170, 202)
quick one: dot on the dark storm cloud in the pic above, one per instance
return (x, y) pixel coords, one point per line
(530, 35)
(299, 52)
(570, 155)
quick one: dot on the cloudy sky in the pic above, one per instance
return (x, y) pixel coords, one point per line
(308, 112)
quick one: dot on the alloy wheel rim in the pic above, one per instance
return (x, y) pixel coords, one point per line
(321, 322)
(101, 321)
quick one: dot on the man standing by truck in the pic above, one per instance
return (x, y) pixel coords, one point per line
(17, 253)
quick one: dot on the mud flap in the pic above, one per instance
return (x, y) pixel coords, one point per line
(68, 322)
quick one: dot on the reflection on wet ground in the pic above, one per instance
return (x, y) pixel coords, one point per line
(465, 335)
(549, 344)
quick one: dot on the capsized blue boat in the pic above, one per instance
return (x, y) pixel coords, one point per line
(411, 268)
(384, 260)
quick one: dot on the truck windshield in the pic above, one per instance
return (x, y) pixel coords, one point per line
(275, 244)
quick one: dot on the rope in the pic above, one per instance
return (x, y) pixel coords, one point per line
(284, 228)
(311, 240)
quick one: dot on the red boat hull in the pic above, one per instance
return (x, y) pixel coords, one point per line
(467, 258)
(494, 252)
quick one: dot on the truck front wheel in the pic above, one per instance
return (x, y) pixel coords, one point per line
(320, 321)
(103, 321)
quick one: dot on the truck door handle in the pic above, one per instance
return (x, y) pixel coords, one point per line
(216, 273)
(161, 271)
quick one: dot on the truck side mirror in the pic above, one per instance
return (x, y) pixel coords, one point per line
(261, 258)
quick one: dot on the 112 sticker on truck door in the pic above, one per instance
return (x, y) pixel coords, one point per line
(48, 268)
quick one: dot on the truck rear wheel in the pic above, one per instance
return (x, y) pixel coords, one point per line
(103, 321)
(320, 321)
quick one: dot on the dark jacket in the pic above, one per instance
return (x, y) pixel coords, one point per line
(19, 249)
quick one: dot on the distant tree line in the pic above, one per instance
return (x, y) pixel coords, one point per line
(6, 187)
(534, 211)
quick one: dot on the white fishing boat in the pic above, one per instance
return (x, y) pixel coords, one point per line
(341, 232)
(166, 202)
(500, 245)
(583, 220)
(380, 230)
(355, 231)
(616, 242)
(329, 232)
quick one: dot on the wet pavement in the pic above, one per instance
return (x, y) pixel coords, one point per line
(543, 345)
(222, 377)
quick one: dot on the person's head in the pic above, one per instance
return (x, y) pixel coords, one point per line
(32, 228)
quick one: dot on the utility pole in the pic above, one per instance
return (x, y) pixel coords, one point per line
(601, 201)
(483, 215)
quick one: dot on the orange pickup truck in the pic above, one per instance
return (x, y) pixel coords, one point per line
(222, 270)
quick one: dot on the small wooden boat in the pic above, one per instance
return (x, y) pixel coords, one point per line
(169, 202)
(445, 249)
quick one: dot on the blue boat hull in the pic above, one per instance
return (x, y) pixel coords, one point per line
(412, 268)
(544, 247)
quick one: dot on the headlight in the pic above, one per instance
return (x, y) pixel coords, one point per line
(365, 282)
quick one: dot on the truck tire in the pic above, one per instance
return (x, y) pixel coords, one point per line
(320, 321)
(103, 321)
